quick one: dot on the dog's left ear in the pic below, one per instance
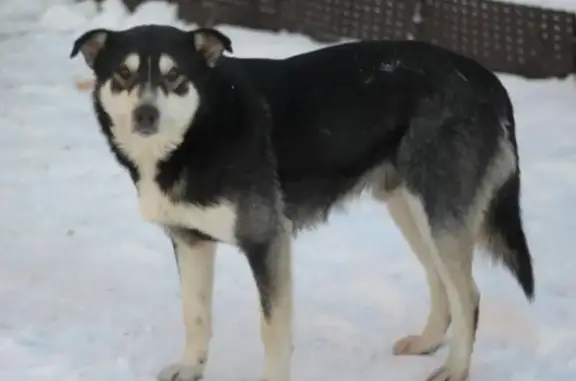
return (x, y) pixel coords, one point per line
(211, 44)
(90, 44)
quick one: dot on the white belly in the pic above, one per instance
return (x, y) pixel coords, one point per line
(218, 221)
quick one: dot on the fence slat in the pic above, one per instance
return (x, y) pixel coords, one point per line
(510, 38)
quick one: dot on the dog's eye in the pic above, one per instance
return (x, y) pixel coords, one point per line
(124, 73)
(172, 75)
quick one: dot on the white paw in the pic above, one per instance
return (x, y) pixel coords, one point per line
(416, 345)
(180, 372)
(446, 374)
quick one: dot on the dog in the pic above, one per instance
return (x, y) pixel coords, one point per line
(249, 152)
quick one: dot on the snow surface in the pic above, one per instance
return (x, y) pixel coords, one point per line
(566, 5)
(89, 292)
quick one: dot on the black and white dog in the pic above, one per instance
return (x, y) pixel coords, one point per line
(250, 151)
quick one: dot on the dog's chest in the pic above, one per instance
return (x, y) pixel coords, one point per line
(218, 221)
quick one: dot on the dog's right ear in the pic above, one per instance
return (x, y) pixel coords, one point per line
(90, 44)
(211, 43)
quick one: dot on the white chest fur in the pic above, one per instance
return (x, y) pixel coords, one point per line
(218, 221)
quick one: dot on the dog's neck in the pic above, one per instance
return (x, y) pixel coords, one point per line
(146, 152)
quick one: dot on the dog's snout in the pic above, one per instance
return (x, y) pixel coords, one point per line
(146, 119)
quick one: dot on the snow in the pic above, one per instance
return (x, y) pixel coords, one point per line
(562, 5)
(90, 292)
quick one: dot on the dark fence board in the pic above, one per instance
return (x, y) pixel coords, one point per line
(511, 38)
(529, 41)
(257, 14)
(330, 20)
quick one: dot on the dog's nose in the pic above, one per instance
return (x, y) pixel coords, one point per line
(146, 119)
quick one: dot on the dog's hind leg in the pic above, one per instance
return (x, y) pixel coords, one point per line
(451, 251)
(195, 258)
(271, 264)
(439, 318)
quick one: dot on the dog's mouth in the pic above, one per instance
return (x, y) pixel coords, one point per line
(145, 130)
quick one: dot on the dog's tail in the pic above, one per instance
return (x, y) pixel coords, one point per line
(504, 235)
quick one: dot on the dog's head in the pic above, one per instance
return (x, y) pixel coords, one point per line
(147, 79)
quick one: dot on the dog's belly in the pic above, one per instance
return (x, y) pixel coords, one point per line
(218, 221)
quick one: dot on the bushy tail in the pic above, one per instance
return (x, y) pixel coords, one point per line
(504, 235)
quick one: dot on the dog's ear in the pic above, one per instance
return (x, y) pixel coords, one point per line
(211, 44)
(90, 44)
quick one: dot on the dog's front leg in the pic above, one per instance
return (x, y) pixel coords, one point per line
(195, 259)
(271, 264)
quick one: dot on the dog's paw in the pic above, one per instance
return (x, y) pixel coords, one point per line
(446, 374)
(416, 345)
(180, 372)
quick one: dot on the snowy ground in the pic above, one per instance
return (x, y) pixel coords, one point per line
(89, 292)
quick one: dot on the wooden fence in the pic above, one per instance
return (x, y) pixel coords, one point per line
(510, 38)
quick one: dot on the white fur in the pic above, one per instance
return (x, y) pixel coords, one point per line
(451, 254)
(277, 330)
(132, 62)
(176, 113)
(165, 63)
(218, 221)
(196, 267)
(439, 318)
(145, 151)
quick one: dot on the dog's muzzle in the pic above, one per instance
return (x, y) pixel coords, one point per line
(146, 118)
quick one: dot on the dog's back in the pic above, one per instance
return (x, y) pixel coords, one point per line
(342, 111)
